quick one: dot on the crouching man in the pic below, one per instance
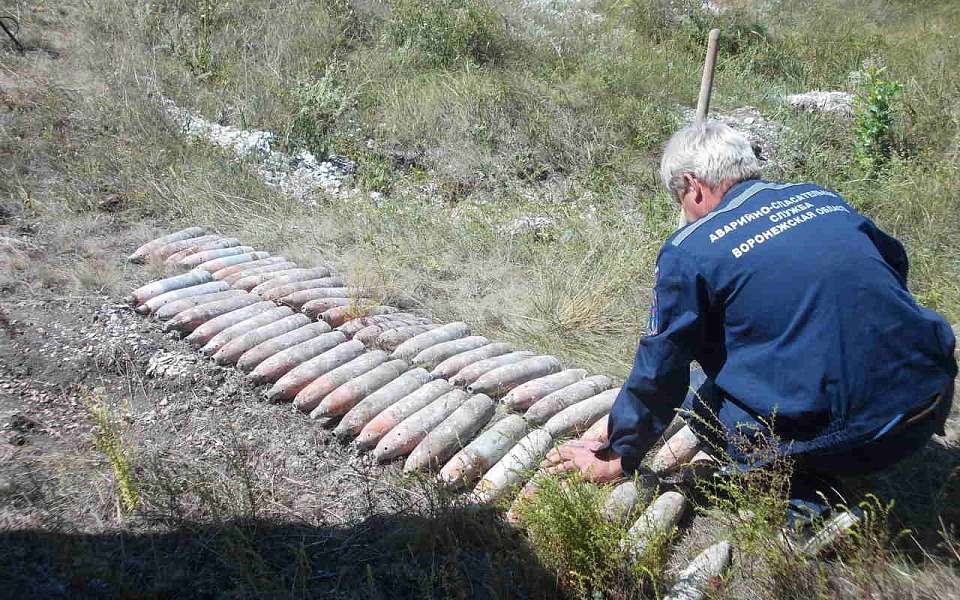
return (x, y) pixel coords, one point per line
(797, 309)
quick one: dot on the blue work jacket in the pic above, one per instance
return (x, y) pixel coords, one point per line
(796, 307)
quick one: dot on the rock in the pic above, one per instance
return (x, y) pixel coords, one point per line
(833, 102)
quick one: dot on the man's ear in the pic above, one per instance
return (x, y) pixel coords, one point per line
(694, 183)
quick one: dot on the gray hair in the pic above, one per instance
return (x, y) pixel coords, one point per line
(712, 151)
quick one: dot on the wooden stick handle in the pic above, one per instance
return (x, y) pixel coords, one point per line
(706, 83)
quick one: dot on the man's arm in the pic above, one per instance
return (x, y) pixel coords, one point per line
(660, 377)
(890, 249)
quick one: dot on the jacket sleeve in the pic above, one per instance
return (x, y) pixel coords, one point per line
(658, 382)
(890, 249)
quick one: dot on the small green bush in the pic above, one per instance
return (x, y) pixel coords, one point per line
(320, 105)
(874, 119)
(447, 32)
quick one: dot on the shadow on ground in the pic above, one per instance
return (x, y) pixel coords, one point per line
(460, 555)
(925, 490)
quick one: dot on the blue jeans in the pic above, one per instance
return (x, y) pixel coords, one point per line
(817, 472)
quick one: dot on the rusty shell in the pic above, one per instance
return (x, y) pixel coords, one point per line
(524, 395)
(503, 379)
(676, 452)
(391, 338)
(173, 259)
(553, 403)
(402, 439)
(139, 255)
(456, 363)
(154, 304)
(477, 457)
(280, 364)
(261, 352)
(234, 331)
(194, 260)
(208, 320)
(218, 264)
(299, 377)
(313, 393)
(516, 467)
(452, 434)
(339, 315)
(357, 417)
(164, 252)
(348, 394)
(162, 286)
(225, 272)
(169, 311)
(579, 417)
(293, 276)
(315, 308)
(434, 355)
(472, 372)
(231, 352)
(417, 344)
(334, 284)
(380, 425)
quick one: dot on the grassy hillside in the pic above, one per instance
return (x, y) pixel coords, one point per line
(469, 114)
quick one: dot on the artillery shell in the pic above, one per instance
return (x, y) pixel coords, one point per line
(503, 379)
(192, 318)
(141, 253)
(577, 418)
(451, 434)
(338, 315)
(678, 451)
(622, 501)
(390, 339)
(523, 396)
(657, 520)
(380, 425)
(194, 260)
(174, 258)
(553, 403)
(384, 320)
(402, 439)
(517, 465)
(299, 377)
(310, 396)
(155, 288)
(456, 363)
(417, 344)
(369, 334)
(694, 582)
(314, 308)
(231, 352)
(223, 262)
(434, 355)
(225, 336)
(165, 251)
(281, 363)
(261, 352)
(481, 454)
(153, 304)
(169, 311)
(368, 408)
(208, 320)
(474, 371)
(348, 394)
(334, 284)
(256, 274)
(223, 273)
(250, 281)
(293, 276)
(598, 431)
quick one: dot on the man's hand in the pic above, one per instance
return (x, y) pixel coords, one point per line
(580, 456)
